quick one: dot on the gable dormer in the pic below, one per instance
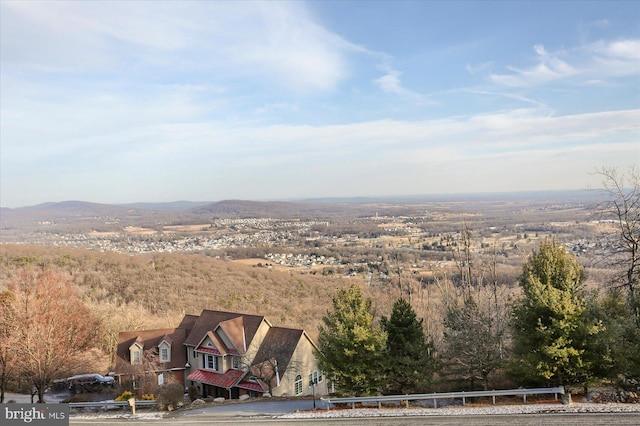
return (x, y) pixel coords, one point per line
(135, 352)
(164, 349)
(210, 344)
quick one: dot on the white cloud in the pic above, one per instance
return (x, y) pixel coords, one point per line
(549, 68)
(592, 62)
(391, 83)
(273, 41)
(616, 58)
(473, 69)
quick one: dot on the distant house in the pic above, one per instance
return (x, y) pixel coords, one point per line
(151, 357)
(224, 354)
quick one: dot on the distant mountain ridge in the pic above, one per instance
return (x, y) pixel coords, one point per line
(72, 207)
(166, 206)
(77, 217)
(288, 207)
(245, 209)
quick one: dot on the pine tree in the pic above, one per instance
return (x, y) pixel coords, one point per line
(350, 346)
(551, 328)
(409, 362)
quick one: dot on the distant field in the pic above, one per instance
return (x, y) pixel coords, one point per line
(257, 260)
(135, 230)
(187, 228)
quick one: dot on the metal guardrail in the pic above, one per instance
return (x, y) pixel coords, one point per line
(444, 395)
(100, 404)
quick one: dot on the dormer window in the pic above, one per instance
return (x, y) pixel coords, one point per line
(135, 353)
(164, 354)
(164, 350)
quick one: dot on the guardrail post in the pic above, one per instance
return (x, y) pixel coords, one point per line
(132, 403)
(494, 399)
(524, 398)
(464, 400)
(435, 402)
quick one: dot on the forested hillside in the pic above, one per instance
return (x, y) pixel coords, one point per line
(165, 286)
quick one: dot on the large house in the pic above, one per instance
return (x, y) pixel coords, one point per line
(223, 354)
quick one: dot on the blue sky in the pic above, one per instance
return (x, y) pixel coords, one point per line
(120, 102)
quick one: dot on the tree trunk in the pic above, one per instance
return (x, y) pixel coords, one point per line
(40, 386)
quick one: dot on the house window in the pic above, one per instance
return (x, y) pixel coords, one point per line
(164, 355)
(236, 362)
(211, 362)
(298, 385)
(315, 377)
(135, 357)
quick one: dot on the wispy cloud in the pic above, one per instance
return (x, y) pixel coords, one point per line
(276, 42)
(391, 83)
(549, 68)
(473, 69)
(615, 58)
(591, 62)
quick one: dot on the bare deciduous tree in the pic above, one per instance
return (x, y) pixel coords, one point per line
(474, 318)
(52, 325)
(266, 371)
(8, 335)
(623, 207)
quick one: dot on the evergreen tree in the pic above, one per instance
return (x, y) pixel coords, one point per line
(551, 326)
(350, 346)
(615, 354)
(409, 362)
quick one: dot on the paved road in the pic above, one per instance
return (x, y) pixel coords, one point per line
(493, 420)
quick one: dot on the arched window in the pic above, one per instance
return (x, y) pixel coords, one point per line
(298, 384)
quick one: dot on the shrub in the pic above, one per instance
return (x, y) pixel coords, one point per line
(148, 397)
(170, 396)
(124, 396)
(193, 393)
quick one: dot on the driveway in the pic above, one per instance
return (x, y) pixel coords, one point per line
(24, 398)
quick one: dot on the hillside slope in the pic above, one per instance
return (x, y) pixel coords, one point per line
(169, 285)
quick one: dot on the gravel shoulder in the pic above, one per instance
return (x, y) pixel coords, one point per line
(574, 408)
